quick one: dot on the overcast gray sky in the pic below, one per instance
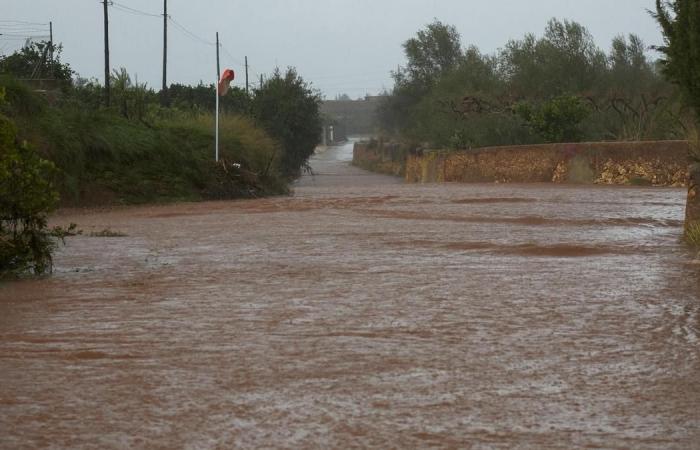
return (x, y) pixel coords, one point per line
(341, 46)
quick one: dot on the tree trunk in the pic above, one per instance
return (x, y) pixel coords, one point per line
(692, 210)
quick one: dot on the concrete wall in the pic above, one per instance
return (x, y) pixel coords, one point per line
(662, 163)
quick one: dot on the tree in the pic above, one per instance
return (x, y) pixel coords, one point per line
(561, 86)
(628, 53)
(680, 23)
(565, 60)
(33, 61)
(288, 108)
(433, 52)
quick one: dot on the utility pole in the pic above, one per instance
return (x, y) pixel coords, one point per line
(51, 74)
(246, 75)
(261, 82)
(105, 3)
(216, 114)
(164, 91)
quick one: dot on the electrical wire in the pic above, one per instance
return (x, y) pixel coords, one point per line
(253, 75)
(23, 28)
(21, 22)
(128, 9)
(17, 38)
(23, 37)
(233, 58)
(189, 33)
(21, 34)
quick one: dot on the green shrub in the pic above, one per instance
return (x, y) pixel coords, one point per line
(27, 195)
(692, 234)
(288, 109)
(8, 132)
(19, 99)
(556, 120)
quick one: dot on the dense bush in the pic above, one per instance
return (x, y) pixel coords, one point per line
(27, 195)
(556, 120)
(37, 60)
(288, 109)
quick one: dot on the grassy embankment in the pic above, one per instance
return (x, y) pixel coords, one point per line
(105, 158)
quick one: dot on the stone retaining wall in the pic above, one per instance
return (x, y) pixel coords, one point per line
(660, 163)
(377, 156)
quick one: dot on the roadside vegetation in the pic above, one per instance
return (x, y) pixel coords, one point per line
(680, 24)
(557, 87)
(61, 146)
(27, 195)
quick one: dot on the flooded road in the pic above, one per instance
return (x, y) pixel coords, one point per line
(363, 312)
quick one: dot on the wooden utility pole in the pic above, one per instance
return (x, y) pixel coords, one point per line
(107, 81)
(164, 91)
(261, 82)
(216, 88)
(51, 74)
(246, 75)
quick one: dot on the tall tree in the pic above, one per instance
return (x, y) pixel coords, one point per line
(680, 23)
(564, 61)
(433, 52)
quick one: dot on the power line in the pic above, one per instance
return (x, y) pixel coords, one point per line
(19, 38)
(189, 33)
(21, 22)
(23, 38)
(131, 10)
(22, 32)
(22, 28)
(239, 63)
(25, 35)
(233, 58)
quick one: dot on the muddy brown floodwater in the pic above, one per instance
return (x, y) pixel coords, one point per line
(362, 312)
